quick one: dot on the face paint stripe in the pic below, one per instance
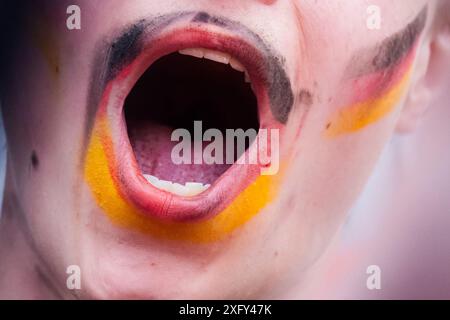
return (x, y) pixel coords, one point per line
(389, 52)
(374, 99)
(396, 47)
(99, 177)
(360, 115)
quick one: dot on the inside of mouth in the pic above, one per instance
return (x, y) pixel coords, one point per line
(174, 92)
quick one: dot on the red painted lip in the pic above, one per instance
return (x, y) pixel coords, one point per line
(128, 176)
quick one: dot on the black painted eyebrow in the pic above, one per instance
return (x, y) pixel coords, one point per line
(390, 51)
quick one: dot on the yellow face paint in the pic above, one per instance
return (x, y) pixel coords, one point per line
(98, 176)
(362, 114)
(380, 94)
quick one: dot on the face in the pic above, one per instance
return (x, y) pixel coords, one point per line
(93, 156)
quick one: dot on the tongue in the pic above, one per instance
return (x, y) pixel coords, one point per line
(152, 148)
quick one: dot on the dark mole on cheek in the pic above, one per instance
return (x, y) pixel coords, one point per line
(34, 160)
(305, 97)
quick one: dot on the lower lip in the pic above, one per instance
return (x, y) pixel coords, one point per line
(129, 200)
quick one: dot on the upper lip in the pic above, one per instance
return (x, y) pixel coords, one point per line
(185, 33)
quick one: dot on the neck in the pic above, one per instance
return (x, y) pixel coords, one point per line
(22, 273)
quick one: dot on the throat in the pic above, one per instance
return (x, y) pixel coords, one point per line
(19, 258)
(180, 92)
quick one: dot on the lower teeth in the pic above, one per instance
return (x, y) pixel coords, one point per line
(188, 190)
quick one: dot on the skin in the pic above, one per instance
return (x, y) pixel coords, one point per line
(62, 208)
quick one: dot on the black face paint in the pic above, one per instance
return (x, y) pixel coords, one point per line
(280, 92)
(203, 17)
(113, 56)
(394, 48)
(389, 52)
(124, 49)
(129, 43)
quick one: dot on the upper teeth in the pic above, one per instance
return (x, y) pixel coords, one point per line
(217, 56)
(188, 190)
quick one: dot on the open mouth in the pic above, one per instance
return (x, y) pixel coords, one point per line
(179, 89)
(190, 69)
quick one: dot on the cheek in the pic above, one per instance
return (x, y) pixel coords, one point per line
(327, 176)
(373, 97)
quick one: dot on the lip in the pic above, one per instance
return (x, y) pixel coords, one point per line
(124, 169)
